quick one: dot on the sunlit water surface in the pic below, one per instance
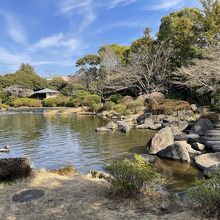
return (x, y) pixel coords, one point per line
(53, 142)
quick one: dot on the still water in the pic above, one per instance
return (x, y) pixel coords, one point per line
(52, 142)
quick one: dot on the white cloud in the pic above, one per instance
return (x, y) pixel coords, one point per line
(115, 3)
(13, 28)
(55, 41)
(165, 5)
(85, 8)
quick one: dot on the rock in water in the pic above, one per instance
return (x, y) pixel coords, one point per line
(13, 168)
(201, 126)
(177, 151)
(208, 163)
(161, 140)
(112, 126)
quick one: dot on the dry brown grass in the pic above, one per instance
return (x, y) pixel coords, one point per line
(68, 170)
(169, 106)
(80, 197)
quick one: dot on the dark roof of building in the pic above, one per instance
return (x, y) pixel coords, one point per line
(46, 90)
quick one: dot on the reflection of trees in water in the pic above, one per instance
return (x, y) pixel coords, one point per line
(25, 129)
(179, 175)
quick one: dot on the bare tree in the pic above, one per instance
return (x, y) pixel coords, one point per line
(150, 69)
(203, 75)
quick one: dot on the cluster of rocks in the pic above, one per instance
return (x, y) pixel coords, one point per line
(198, 143)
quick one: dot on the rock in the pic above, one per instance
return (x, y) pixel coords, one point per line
(212, 116)
(141, 118)
(169, 119)
(161, 140)
(112, 126)
(208, 163)
(184, 144)
(148, 158)
(193, 107)
(198, 146)
(126, 99)
(181, 125)
(176, 151)
(124, 126)
(175, 130)
(201, 126)
(149, 124)
(102, 129)
(191, 138)
(13, 168)
(154, 96)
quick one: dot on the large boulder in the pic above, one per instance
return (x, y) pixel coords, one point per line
(177, 151)
(13, 168)
(212, 116)
(201, 126)
(208, 163)
(161, 140)
(181, 125)
(112, 126)
(149, 124)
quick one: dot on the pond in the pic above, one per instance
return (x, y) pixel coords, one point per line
(53, 142)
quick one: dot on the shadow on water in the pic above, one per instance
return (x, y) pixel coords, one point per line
(52, 142)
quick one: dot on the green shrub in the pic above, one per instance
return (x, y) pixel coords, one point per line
(120, 109)
(109, 106)
(92, 101)
(135, 106)
(62, 100)
(50, 102)
(205, 196)
(132, 177)
(4, 106)
(27, 102)
(116, 98)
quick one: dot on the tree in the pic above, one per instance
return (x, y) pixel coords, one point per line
(211, 10)
(144, 42)
(203, 75)
(88, 61)
(57, 83)
(119, 51)
(183, 31)
(24, 77)
(150, 69)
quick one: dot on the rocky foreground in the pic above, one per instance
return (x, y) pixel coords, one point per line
(190, 136)
(51, 196)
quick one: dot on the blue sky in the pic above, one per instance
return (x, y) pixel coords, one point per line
(52, 34)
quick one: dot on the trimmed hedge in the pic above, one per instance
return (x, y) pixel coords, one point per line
(26, 102)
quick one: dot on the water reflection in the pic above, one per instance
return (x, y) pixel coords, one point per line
(52, 142)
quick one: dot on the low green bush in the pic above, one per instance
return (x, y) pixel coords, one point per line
(62, 100)
(26, 102)
(4, 106)
(116, 98)
(92, 101)
(135, 106)
(120, 109)
(50, 102)
(205, 196)
(109, 106)
(133, 177)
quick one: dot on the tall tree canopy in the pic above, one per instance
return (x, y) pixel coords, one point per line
(25, 77)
